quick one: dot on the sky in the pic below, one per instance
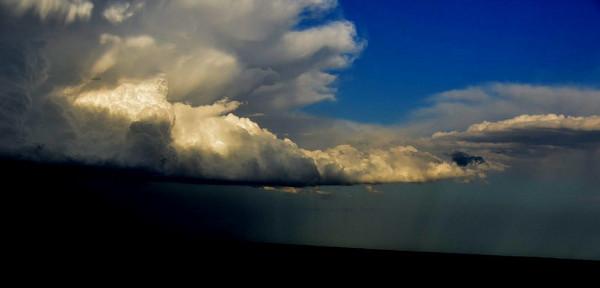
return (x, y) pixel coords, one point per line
(295, 96)
(420, 48)
(303, 92)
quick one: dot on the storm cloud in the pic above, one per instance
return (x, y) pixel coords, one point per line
(159, 85)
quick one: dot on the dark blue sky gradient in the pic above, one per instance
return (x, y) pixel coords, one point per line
(418, 48)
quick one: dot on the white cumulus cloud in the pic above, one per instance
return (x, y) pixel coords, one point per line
(211, 142)
(120, 11)
(549, 121)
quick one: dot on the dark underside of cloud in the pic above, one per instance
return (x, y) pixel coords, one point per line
(540, 137)
(532, 136)
(463, 159)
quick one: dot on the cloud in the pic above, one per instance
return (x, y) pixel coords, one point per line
(66, 10)
(135, 126)
(371, 189)
(500, 101)
(120, 11)
(285, 189)
(536, 139)
(253, 51)
(346, 164)
(549, 121)
(164, 93)
(463, 159)
(548, 130)
(319, 132)
(22, 70)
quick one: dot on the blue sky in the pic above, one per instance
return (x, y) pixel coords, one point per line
(419, 48)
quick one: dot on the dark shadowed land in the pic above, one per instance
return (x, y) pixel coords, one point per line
(58, 213)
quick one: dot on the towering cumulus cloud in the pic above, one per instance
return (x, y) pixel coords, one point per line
(142, 129)
(157, 85)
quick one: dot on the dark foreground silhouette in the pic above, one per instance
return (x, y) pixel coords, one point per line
(55, 214)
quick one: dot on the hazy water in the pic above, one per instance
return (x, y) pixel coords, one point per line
(501, 216)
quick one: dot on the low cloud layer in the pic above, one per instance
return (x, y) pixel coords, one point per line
(501, 101)
(545, 130)
(507, 122)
